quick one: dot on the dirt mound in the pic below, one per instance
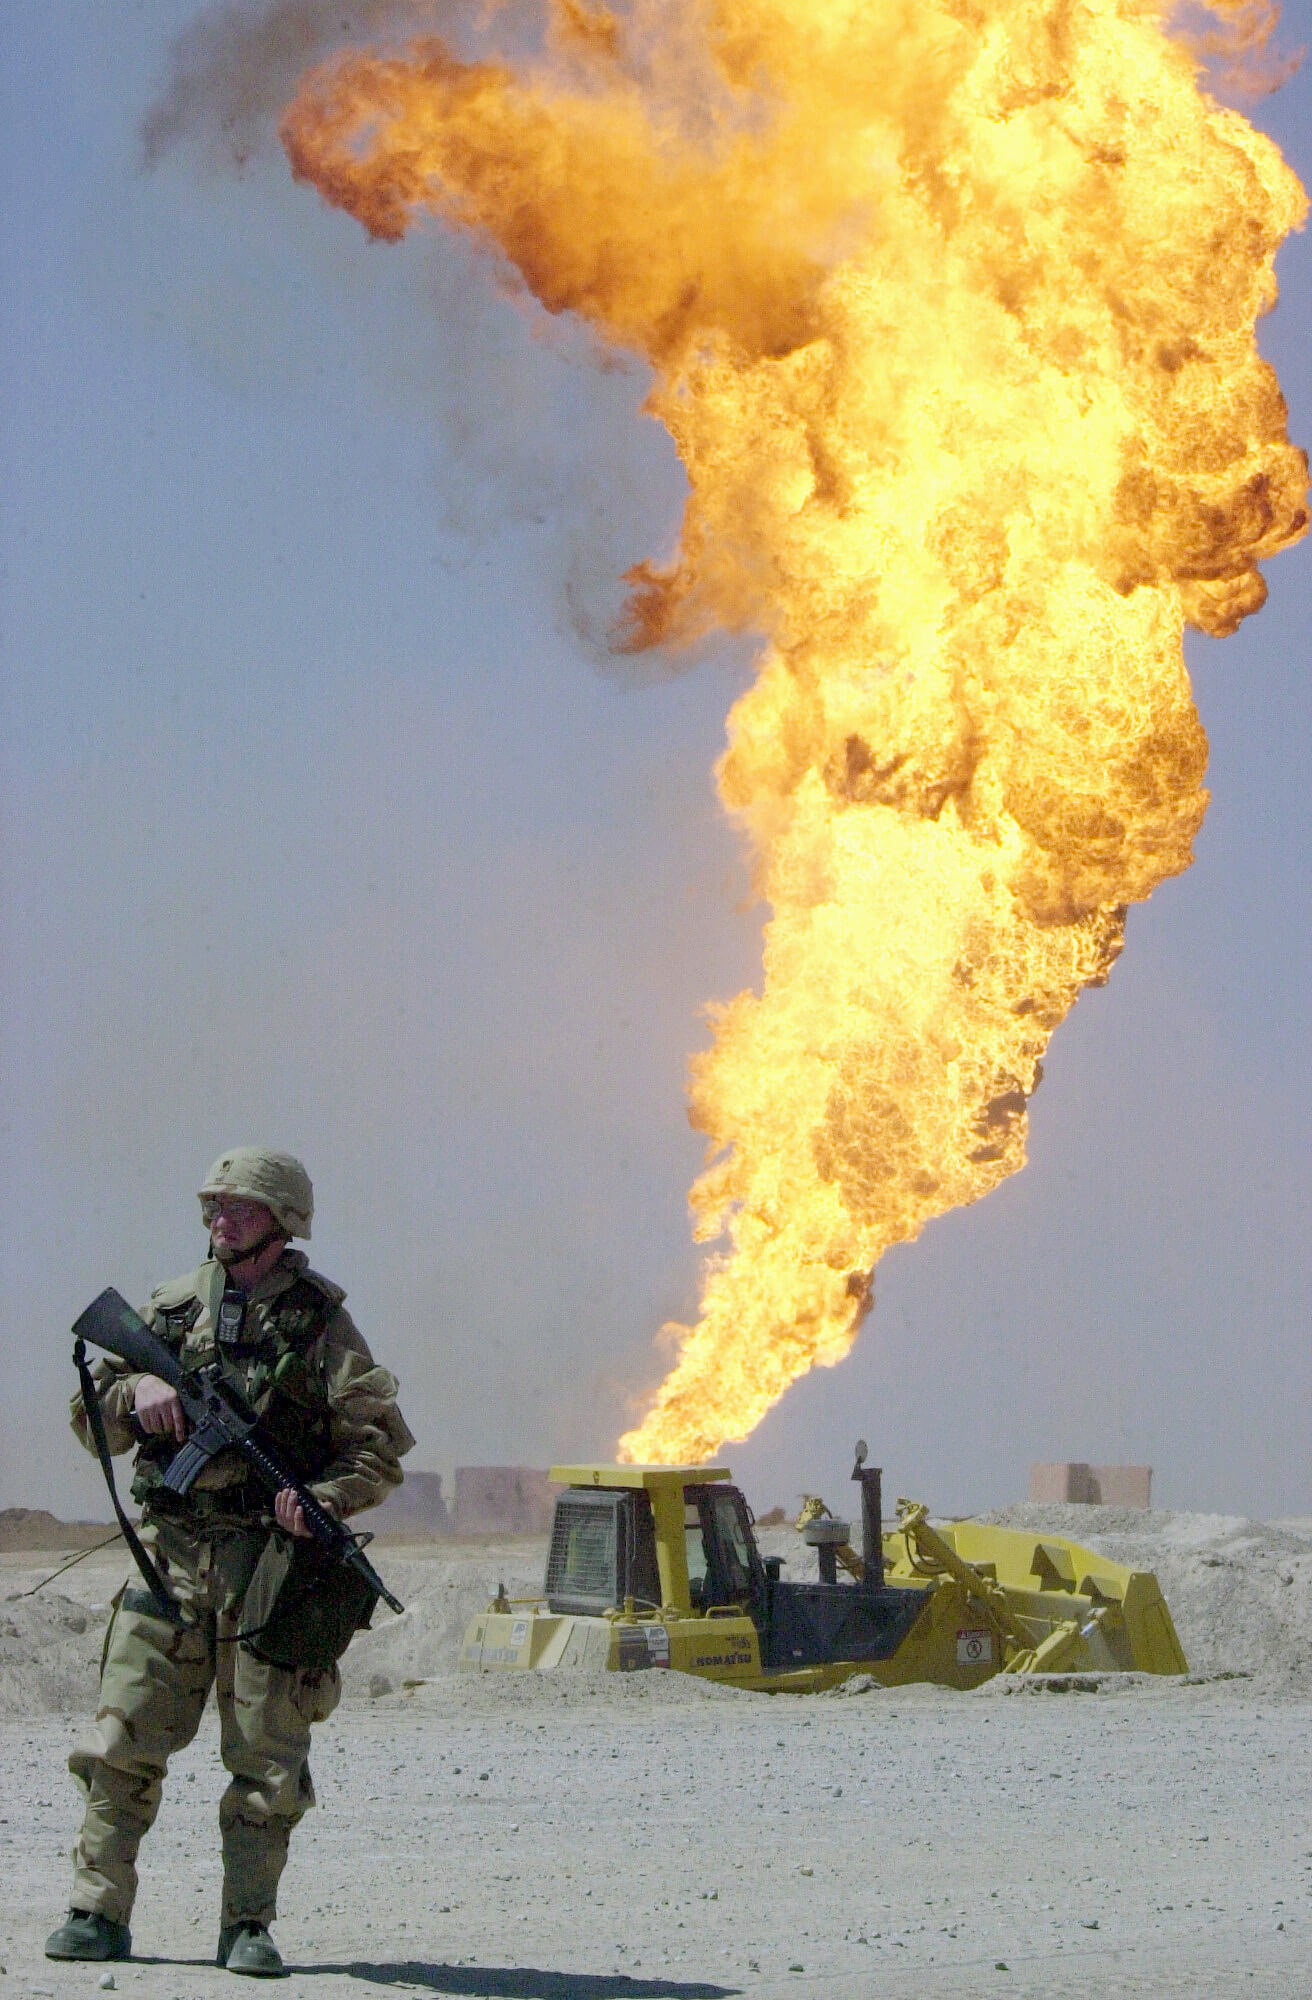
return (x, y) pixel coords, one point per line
(50, 1650)
(33, 1528)
(441, 1592)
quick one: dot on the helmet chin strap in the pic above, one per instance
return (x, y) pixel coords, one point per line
(233, 1264)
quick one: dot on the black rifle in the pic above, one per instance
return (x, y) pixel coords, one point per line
(219, 1418)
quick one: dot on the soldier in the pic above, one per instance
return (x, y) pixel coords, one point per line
(288, 1344)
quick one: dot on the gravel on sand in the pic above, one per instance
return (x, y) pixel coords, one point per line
(651, 1837)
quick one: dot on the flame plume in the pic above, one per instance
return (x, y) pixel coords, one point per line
(951, 308)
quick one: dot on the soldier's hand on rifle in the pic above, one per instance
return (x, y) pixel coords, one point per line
(158, 1409)
(289, 1513)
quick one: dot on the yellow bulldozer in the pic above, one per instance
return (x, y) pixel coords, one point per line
(658, 1566)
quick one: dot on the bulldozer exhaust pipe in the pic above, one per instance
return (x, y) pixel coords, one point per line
(870, 1480)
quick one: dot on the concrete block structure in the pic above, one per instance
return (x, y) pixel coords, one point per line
(415, 1507)
(1092, 1485)
(502, 1500)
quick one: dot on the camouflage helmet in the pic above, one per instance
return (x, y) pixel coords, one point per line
(256, 1173)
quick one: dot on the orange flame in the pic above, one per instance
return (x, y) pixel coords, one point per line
(951, 306)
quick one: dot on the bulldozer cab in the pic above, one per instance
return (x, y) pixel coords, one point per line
(724, 1564)
(615, 1543)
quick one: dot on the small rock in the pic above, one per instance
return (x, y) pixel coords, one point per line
(379, 1685)
(107, 1982)
(797, 1968)
(1000, 1965)
(1088, 1923)
(806, 1871)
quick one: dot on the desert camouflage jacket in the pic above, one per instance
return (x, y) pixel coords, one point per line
(334, 1390)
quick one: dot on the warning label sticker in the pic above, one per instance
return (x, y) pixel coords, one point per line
(658, 1645)
(974, 1649)
(633, 1653)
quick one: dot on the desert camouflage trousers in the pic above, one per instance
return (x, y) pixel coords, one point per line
(155, 1679)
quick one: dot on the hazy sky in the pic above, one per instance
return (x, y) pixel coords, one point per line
(327, 824)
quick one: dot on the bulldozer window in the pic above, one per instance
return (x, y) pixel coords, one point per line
(734, 1549)
(582, 1558)
(723, 1567)
(590, 1554)
(603, 1550)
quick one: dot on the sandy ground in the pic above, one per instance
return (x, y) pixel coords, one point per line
(647, 1837)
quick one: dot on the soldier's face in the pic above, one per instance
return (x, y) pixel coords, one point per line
(236, 1225)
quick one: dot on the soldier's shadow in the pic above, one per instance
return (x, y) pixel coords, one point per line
(524, 1982)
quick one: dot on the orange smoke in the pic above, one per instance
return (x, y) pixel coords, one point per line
(951, 307)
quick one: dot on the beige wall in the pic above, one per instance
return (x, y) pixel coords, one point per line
(1109, 1485)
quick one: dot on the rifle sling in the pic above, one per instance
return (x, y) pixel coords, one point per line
(168, 1607)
